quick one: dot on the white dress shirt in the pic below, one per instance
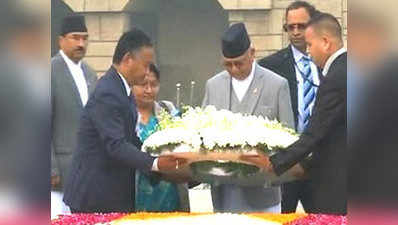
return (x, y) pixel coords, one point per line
(297, 55)
(128, 91)
(331, 60)
(241, 86)
(78, 76)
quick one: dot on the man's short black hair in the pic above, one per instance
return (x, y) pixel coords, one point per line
(130, 41)
(154, 69)
(326, 22)
(302, 4)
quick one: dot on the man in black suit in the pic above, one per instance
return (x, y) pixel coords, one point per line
(325, 136)
(290, 63)
(108, 152)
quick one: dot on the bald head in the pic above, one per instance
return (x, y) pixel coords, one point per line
(326, 24)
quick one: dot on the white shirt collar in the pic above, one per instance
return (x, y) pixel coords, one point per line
(77, 73)
(297, 55)
(126, 85)
(241, 86)
(331, 60)
(68, 61)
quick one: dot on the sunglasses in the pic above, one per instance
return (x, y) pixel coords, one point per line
(291, 27)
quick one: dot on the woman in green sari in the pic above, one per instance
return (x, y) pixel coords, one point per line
(152, 194)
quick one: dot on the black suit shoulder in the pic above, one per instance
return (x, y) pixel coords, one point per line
(56, 59)
(276, 57)
(110, 85)
(275, 60)
(335, 80)
(57, 64)
(338, 70)
(282, 63)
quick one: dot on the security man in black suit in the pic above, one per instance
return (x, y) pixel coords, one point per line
(325, 137)
(288, 63)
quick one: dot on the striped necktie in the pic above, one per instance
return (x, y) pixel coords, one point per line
(308, 91)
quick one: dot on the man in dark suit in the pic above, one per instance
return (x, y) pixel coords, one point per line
(72, 80)
(108, 150)
(325, 136)
(291, 63)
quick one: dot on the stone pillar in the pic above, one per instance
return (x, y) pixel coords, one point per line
(106, 21)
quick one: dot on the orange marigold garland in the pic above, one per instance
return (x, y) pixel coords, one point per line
(279, 218)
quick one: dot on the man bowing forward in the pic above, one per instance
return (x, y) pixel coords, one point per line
(245, 87)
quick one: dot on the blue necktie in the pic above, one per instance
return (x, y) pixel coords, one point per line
(309, 90)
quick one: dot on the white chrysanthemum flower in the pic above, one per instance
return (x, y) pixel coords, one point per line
(213, 128)
(183, 148)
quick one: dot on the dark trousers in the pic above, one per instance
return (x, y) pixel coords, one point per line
(294, 191)
(80, 211)
(75, 211)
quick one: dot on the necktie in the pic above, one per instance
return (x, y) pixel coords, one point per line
(309, 90)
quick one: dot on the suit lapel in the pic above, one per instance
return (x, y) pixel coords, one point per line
(320, 75)
(290, 71)
(337, 62)
(292, 80)
(225, 98)
(255, 89)
(289, 64)
(129, 102)
(88, 77)
(133, 110)
(69, 78)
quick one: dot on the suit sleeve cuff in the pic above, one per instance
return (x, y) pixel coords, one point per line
(282, 161)
(274, 159)
(306, 163)
(155, 165)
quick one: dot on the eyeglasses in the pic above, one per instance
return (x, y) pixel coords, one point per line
(291, 27)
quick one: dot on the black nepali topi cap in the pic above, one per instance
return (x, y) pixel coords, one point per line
(235, 41)
(73, 23)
